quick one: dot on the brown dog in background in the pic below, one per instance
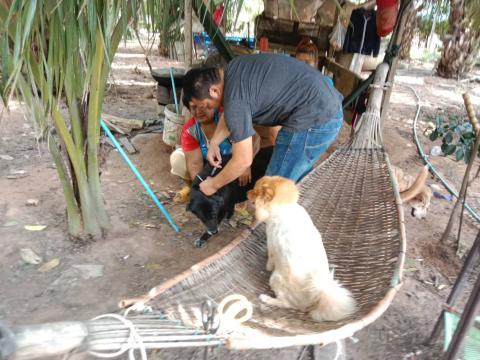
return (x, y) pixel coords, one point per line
(414, 191)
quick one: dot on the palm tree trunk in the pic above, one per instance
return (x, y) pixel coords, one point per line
(459, 45)
(411, 24)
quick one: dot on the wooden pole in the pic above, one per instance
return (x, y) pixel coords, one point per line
(188, 34)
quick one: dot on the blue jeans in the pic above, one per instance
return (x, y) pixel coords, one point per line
(296, 153)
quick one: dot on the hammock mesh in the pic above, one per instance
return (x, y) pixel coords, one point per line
(354, 204)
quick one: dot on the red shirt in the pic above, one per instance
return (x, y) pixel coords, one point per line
(189, 142)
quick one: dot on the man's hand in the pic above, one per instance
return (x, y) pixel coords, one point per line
(214, 156)
(208, 187)
(245, 178)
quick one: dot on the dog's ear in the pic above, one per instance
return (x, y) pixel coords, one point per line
(266, 192)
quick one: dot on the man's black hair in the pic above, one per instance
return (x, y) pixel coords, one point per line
(197, 82)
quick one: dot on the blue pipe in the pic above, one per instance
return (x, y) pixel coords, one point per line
(174, 90)
(139, 176)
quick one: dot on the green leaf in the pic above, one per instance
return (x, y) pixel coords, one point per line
(448, 149)
(434, 135)
(438, 121)
(459, 154)
(468, 135)
(453, 123)
(448, 137)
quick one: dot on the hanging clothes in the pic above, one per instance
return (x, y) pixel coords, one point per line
(362, 37)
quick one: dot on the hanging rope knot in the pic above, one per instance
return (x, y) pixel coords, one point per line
(378, 86)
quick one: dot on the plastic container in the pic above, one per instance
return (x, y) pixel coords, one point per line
(172, 127)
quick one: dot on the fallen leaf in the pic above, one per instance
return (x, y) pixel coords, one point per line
(32, 202)
(49, 265)
(35, 227)
(6, 157)
(153, 266)
(247, 222)
(29, 257)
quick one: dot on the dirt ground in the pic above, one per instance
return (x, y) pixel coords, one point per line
(141, 250)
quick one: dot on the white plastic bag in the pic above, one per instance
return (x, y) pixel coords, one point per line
(338, 35)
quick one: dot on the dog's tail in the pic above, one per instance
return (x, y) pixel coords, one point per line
(416, 187)
(334, 302)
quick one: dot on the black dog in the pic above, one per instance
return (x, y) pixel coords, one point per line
(211, 210)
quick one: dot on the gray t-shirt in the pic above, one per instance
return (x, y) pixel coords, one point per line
(271, 89)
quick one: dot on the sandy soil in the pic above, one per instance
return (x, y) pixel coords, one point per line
(141, 250)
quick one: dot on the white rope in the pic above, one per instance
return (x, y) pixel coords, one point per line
(233, 306)
(134, 340)
(339, 350)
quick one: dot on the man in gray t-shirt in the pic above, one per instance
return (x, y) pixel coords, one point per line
(270, 90)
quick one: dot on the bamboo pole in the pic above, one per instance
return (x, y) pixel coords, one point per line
(393, 67)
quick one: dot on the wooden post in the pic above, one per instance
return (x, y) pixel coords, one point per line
(188, 34)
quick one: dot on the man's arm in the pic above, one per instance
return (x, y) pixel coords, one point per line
(194, 162)
(257, 142)
(242, 157)
(214, 156)
(272, 134)
(221, 131)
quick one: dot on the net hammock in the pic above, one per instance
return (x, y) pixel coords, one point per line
(353, 200)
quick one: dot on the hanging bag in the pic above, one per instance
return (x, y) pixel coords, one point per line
(387, 11)
(337, 36)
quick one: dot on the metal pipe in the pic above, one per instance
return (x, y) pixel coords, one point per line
(139, 176)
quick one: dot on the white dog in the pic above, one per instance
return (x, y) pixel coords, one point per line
(301, 278)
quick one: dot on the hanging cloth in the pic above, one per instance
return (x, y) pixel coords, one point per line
(362, 37)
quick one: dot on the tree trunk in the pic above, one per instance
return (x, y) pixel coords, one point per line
(459, 45)
(408, 32)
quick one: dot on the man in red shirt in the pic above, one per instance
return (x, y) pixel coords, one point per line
(189, 160)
